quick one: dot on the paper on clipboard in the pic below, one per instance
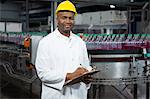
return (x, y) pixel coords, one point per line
(79, 78)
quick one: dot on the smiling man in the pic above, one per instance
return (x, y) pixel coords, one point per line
(65, 21)
(62, 56)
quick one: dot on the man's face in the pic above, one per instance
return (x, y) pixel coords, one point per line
(65, 21)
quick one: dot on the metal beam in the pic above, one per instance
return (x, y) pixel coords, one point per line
(36, 11)
(53, 15)
(27, 16)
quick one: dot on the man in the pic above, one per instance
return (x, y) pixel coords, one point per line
(62, 56)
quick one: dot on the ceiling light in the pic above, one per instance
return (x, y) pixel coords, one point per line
(131, 0)
(112, 6)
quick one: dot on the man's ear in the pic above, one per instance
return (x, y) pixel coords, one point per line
(56, 20)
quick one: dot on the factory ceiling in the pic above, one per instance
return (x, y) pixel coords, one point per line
(41, 8)
(87, 5)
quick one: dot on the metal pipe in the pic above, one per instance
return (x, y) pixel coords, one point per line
(147, 90)
(147, 74)
(143, 16)
(145, 5)
(135, 91)
(129, 20)
(27, 16)
(53, 15)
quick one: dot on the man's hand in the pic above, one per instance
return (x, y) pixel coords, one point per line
(87, 79)
(79, 71)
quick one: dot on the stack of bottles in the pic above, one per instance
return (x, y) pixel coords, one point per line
(116, 41)
(17, 37)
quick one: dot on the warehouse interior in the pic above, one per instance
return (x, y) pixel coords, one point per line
(117, 36)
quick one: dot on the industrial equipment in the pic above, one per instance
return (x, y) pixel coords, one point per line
(123, 60)
(17, 54)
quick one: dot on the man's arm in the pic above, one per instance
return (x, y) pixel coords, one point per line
(46, 70)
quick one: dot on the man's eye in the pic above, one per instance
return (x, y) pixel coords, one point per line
(64, 17)
(71, 18)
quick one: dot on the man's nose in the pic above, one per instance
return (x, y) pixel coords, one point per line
(68, 20)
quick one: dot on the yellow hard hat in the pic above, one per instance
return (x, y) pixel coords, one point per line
(66, 5)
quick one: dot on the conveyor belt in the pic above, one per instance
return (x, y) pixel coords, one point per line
(118, 81)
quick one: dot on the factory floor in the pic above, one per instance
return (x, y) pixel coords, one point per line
(9, 91)
(13, 92)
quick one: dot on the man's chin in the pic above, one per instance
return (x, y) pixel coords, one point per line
(67, 30)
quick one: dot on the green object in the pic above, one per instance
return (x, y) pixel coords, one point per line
(147, 55)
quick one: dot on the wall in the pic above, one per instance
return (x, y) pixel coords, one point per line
(102, 18)
(147, 30)
(10, 11)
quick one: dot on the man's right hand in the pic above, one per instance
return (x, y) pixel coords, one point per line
(79, 71)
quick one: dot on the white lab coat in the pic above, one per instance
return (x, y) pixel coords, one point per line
(58, 55)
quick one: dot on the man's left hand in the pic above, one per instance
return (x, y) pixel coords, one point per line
(87, 79)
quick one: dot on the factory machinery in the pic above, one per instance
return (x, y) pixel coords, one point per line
(123, 61)
(17, 54)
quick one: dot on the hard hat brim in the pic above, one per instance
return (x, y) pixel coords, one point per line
(66, 11)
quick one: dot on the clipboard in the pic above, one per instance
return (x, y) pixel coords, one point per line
(79, 78)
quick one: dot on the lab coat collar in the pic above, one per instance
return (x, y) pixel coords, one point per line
(62, 36)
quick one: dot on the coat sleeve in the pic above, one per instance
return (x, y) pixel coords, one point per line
(85, 61)
(46, 70)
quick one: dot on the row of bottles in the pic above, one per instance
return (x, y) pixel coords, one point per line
(15, 38)
(18, 37)
(116, 41)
